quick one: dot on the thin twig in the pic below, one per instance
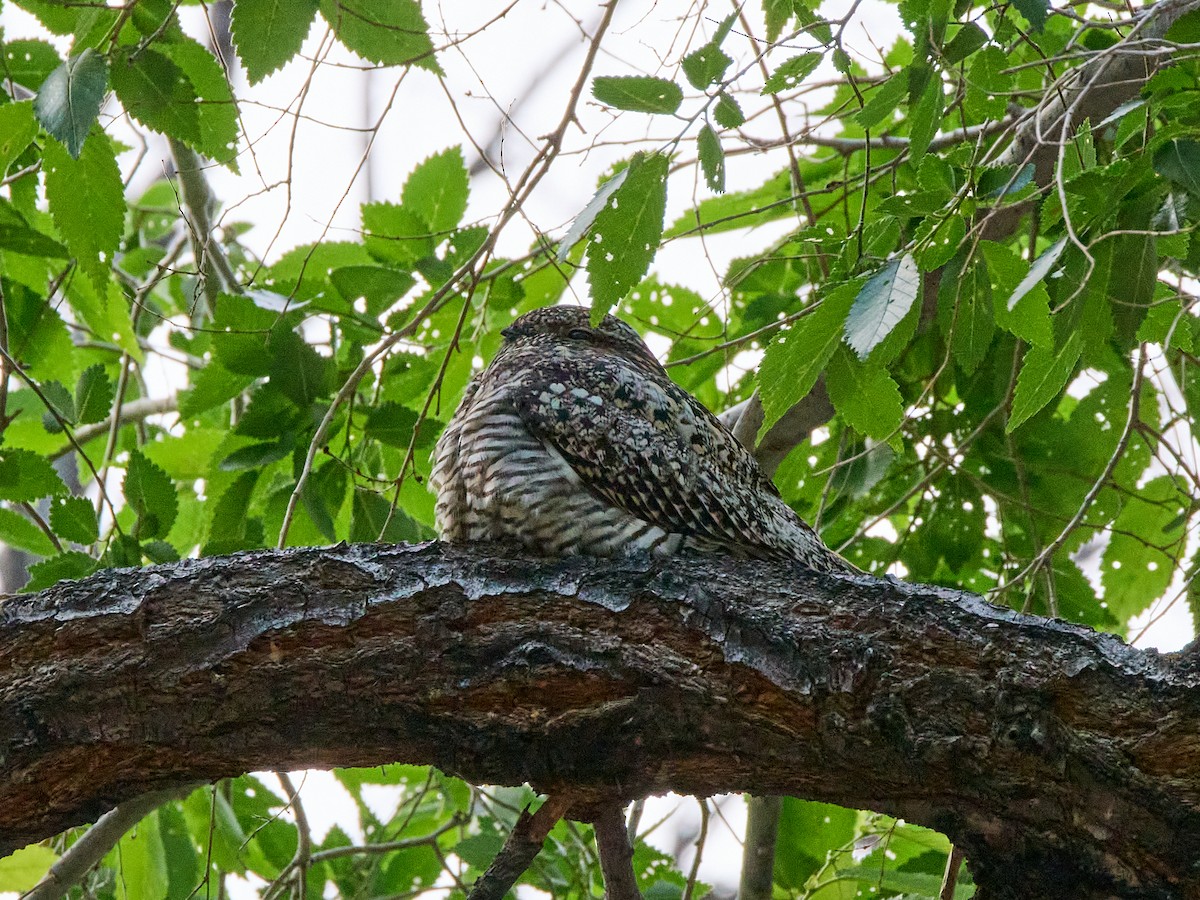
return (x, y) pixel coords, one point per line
(616, 855)
(70, 868)
(950, 879)
(520, 849)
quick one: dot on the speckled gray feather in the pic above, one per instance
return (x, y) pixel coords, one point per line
(576, 441)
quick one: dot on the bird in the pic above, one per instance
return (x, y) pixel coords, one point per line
(574, 440)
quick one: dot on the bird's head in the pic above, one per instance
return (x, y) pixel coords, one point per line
(571, 326)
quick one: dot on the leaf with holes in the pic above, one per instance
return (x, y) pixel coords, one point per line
(74, 519)
(150, 493)
(638, 93)
(790, 73)
(584, 220)
(627, 231)
(87, 200)
(712, 158)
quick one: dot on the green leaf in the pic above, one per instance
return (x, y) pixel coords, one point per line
(638, 93)
(587, 216)
(1033, 10)
(807, 831)
(268, 33)
(790, 73)
(795, 359)
(1044, 373)
(87, 201)
(706, 66)
(925, 120)
(1030, 318)
(968, 39)
(727, 112)
(1167, 324)
(864, 395)
(17, 531)
(255, 456)
(881, 304)
(1038, 270)
(1137, 567)
(150, 493)
(25, 476)
(16, 235)
(215, 105)
(70, 565)
(974, 324)
(395, 234)
(777, 14)
(20, 871)
(93, 395)
(391, 32)
(391, 423)
(370, 522)
(74, 519)
(437, 190)
(18, 127)
(298, 371)
(141, 863)
(883, 100)
(70, 99)
(29, 62)
(627, 231)
(1179, 162)
(214, 385)
(158, 94)
(60, 406)
(712, 158)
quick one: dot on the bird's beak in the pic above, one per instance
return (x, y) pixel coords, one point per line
(513, 332)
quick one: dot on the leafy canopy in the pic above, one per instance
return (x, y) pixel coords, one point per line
(1009, 342)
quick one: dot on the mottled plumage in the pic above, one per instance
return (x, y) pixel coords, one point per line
(575, 440)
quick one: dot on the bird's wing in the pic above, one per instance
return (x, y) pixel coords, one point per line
(651, 449)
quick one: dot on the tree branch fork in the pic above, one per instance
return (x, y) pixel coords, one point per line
(1062, 761)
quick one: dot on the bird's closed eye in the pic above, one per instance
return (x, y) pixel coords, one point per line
(579, 334)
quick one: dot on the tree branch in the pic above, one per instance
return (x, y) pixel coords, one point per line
(1061, 761)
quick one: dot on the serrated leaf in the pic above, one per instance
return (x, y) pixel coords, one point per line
(18, 127)
(883, 301)
(795, 359)
(29, 62)
(1001, 181)
(883, 100)
(93, 395)
(587, 216)
(391, 423)
(391, 32)
(925, 119)
(151, 495)
(17, 531)
(255, 456)
(1033, 10)
(215, 105)
(74, 519)
(214, 385)
(1167, 324)
(968, 39)
(777, 14)
(437, 190)
(373, 519)
(1179, 161)
(18, 236)
(20, 871)
(1044, 374)
(790, 73)
(70, 565)
(298, 371)
(25, 476)
(268, 33)
(864, 395)
(1038, 270)
(87, 201)
(61, 406)
(1138, 565)
(69, 100)
(706, 66)
(712, 158)
(638, 93)
(627, 231)
(727, 112)
(158, 94)
(974, 324)
(141, 863)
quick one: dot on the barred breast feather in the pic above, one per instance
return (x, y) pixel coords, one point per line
(576, 441)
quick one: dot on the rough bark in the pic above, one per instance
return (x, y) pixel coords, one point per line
(1061, 761)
